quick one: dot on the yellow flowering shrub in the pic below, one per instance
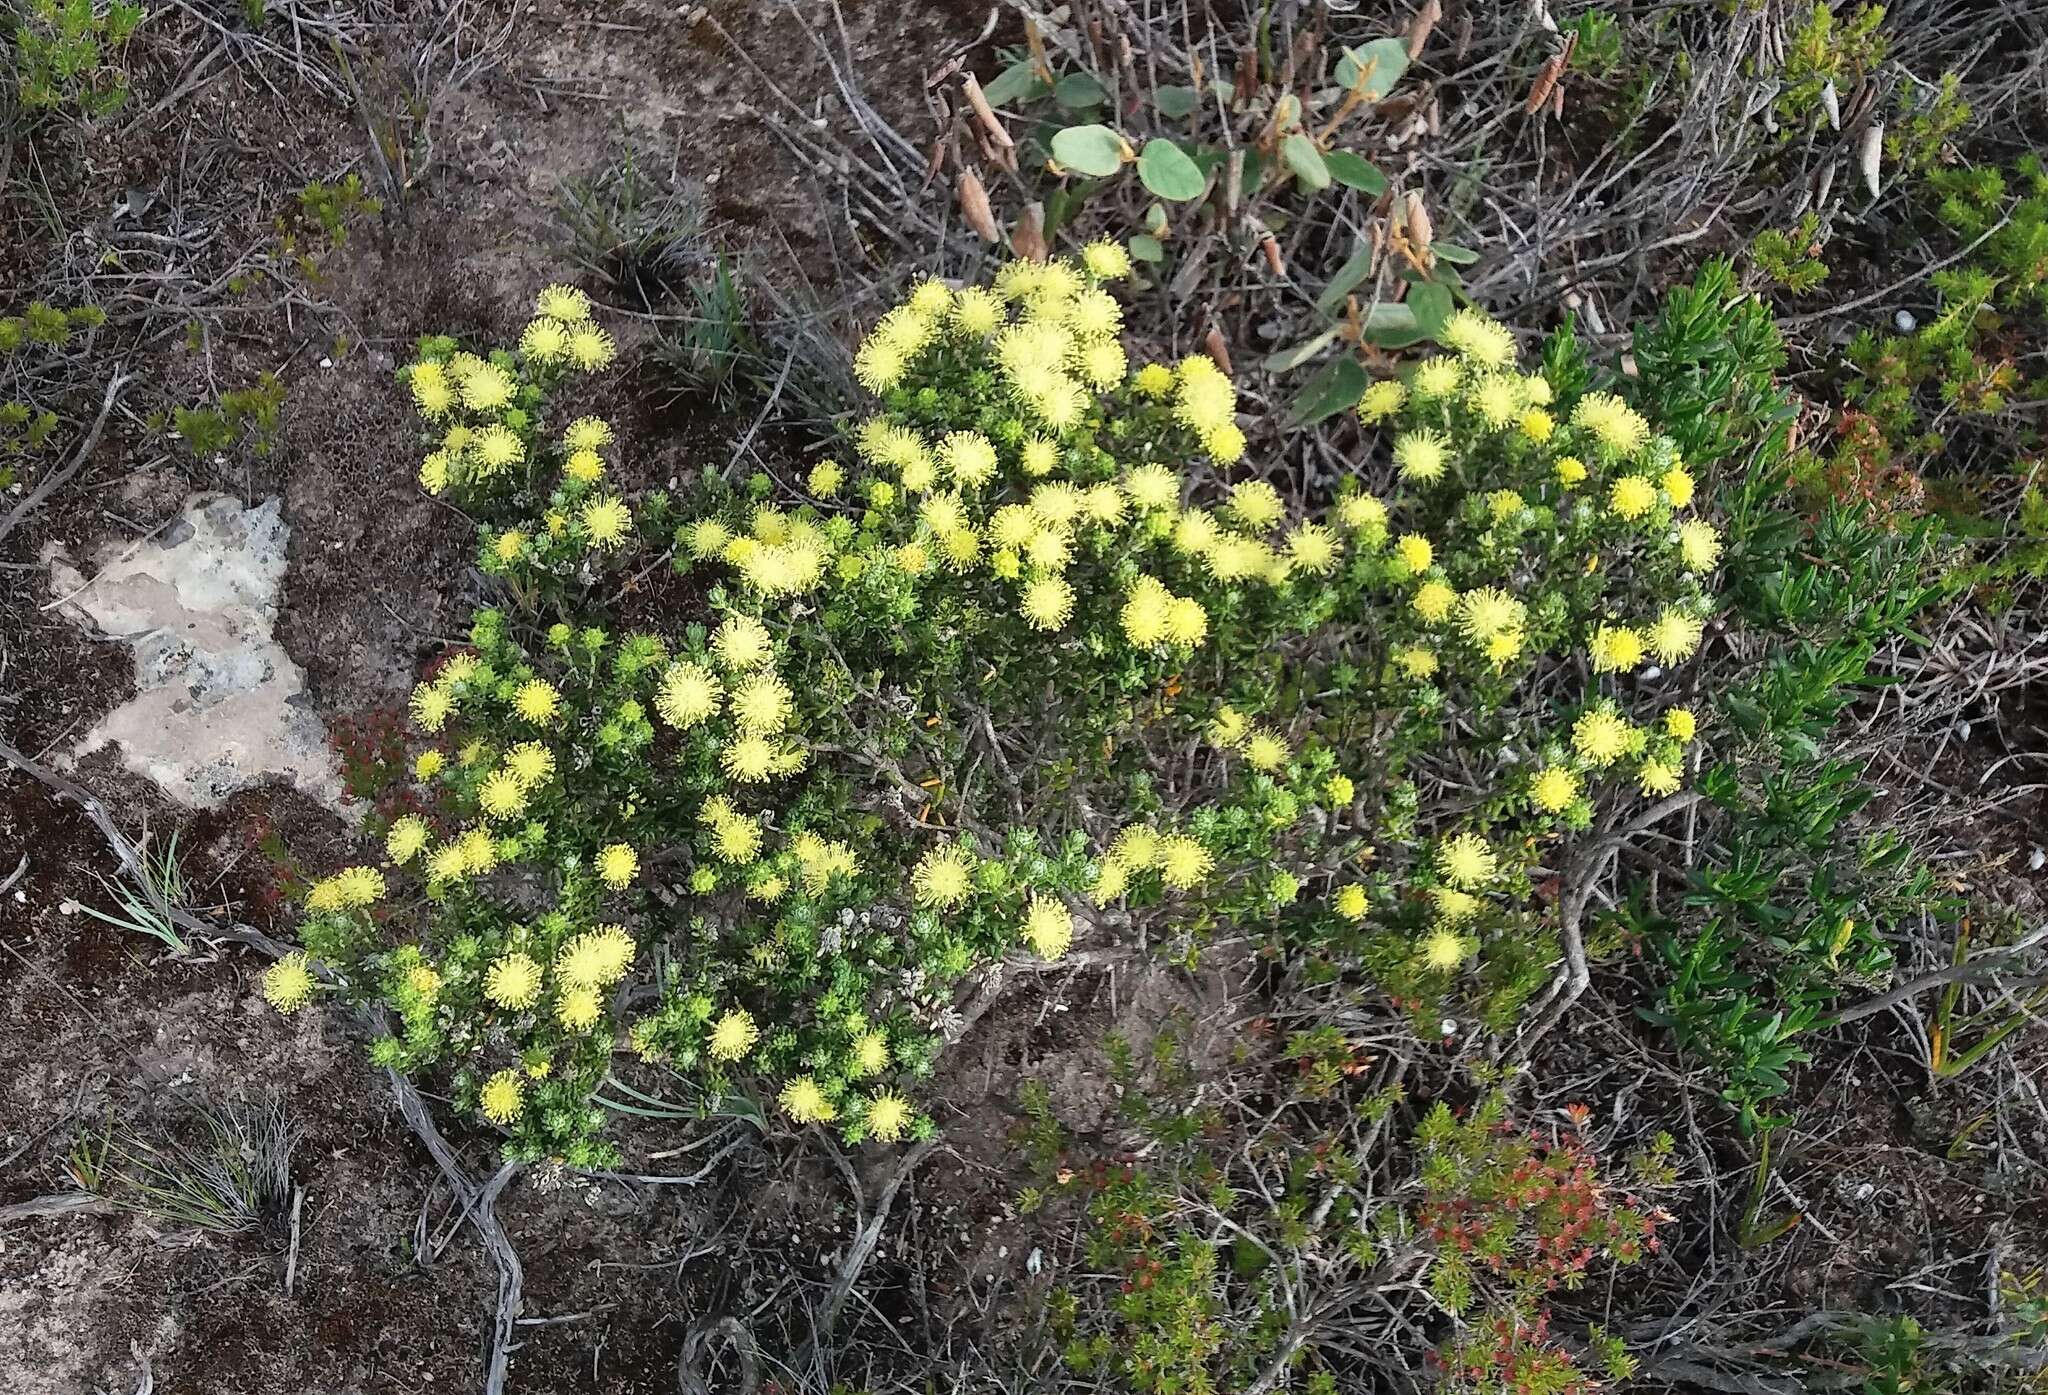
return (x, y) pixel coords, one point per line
(1042, 656)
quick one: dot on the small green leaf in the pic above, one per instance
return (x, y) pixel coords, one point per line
(1155, 220)
(1337, 388)
(1356, 172)
(1295, 356)
(1457, 256)
(1392, 327)
(1091, 150)
(1347, 277)
(1077, 90)
(1168, 172)
(1305, 160)
(1431, 305)
(1176, 102)
(1378, 64)
(1147, 249)
(1016, 83)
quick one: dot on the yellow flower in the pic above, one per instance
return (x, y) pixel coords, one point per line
(870, 1054)
(1228, 728)
(1225, 443)
(1600, 736)
(1381, 400)
(1497, 397)
(969, 456)
(1145, 612)
(617, 864)
(1106, 260)
(496, 448)
(431, 704)
(1504, 648)
(1047, 603)
(605, 521)
(563, 303)
(1454, 907)
(1674, 635)
(587, 433)
(1048, 927)
(407, 836)
(1616, 649)
(1154, 380)
(736, 840)
(504, 1094)
(805, 1103)
(590, 348)
(932, 298)
(888, 1115)
(1478, 339)
(595, 959)
(349, 889)
(1486, 611)
(1632, 496)
(578, 1009)
(942, 878)
(1112, 880)
(1263, 750)
(584, 466)
(1433, 601)
(448, 863)
(977, 312)
(431, 390)
(742, 643)
(1554, 789)
(529, 763)
(733, 1035)
(1658, 777)
(749, 759)
(760, 706)
(1256, 504)
(1699, 546)
(1338, 791)
(289, 982)
(544, 341)
(513, 981)
(1183, 862)
(507, 546)
(1678, 486)
(1570, 471)
(1612, 422)
(479, 851)
(1537, 425)
(434, 472)
(1187, 623)
(1680, 724)
(1437, 377)
(502, 795)
(1465, 861)
(1351, 902)
(537, 701)
(688, 694)
(485, 387)
(1137, 847)
(1445, 950)
(1415, 661)
(1415, 552)
(1422, 456)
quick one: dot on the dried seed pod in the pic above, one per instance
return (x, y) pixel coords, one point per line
(1871, 153)
(974, 208)
(985, 114)
(1419, 28)
(1028, 241)
(1218, 350)
(1420, 232)
(1545, 84)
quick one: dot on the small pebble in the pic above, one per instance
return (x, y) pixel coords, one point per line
(1905, 321)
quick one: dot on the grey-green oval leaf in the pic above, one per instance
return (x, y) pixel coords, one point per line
(1295, 355)
(1077, 90)
(1012, 85)
(1091, 150)
(1431, 305)
(1335, 389)
(1457, 256)
(1392, 326)
(1379, 63)
(1356, 172)
(1169, 173)
(1147, 249)
(1305, 160)
(1176, 102)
